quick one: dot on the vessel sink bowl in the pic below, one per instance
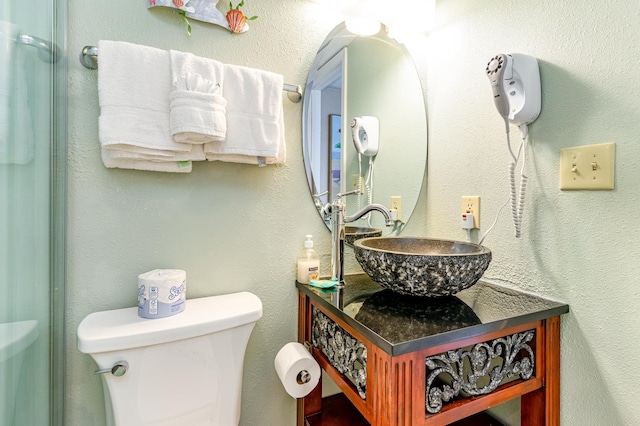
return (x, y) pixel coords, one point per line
(353, 233)
(422, 266)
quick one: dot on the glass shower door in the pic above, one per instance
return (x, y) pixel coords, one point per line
(31, 136)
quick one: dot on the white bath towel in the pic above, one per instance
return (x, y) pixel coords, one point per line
(134, 83)
(280, 157)
(196, 154)
(111, 160)
(255, 125)
(16, 126)
(197, 108)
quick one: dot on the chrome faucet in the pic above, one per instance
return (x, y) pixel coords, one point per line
(338, 220)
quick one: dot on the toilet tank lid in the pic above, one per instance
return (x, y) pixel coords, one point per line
(123, 329)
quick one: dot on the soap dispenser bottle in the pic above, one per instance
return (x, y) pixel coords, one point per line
(308, 262)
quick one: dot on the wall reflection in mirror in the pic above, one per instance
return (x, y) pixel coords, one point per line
(364, 124)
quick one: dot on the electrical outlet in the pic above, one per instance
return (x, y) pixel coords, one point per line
(396, 203)
(471, 204)
(588, 167)
(355, 182)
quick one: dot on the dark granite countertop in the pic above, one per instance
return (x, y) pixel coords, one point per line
(401, 324)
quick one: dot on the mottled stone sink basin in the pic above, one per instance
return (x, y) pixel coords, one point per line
(422, 266)
(353, 233)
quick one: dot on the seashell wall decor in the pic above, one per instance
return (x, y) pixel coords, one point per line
(206, 11)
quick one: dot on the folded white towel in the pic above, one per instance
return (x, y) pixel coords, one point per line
(197, 108)
(111, 160)
(280, 157)
(255, 127)
(196, 154)
(197, 117)
(134, 83)
(16, 127)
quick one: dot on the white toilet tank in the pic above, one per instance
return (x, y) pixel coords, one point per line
(182, 370)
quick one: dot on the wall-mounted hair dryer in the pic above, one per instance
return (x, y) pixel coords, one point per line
(365, 132)
(515, 81)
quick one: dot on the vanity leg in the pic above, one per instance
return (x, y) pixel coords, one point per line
(542, 407)
(312, 403)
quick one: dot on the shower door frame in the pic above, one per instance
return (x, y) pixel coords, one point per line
(58, 203)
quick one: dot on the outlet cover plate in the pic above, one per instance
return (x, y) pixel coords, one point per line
(471, 203)
(396, 203)
(588, 167)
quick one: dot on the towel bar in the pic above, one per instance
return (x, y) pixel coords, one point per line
(89, 58)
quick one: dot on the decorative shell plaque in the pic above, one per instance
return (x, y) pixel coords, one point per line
(206, 11)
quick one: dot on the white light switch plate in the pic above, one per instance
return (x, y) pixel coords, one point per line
(588, 166)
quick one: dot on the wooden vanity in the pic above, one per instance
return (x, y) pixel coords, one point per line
(404, 360)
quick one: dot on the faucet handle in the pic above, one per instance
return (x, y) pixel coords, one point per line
(323, 208)
(344, 194)
(321, 194)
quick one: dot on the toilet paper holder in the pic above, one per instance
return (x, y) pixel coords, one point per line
(297, 369)
(304, 376)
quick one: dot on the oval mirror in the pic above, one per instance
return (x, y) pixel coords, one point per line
(373, 80)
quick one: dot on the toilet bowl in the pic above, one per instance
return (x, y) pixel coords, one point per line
(15, 338)
(181, 370)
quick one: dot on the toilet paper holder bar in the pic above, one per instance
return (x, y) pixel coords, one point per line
(304, 376)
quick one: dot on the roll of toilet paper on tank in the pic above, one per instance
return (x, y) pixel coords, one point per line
(297, 370)
(161, 293)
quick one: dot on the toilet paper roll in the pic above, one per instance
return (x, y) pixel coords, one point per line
(297, 370)
(161, 293)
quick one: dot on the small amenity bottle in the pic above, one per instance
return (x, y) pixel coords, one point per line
(308, 263)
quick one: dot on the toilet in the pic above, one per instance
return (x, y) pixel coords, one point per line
(180, 370)
(15, 339)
